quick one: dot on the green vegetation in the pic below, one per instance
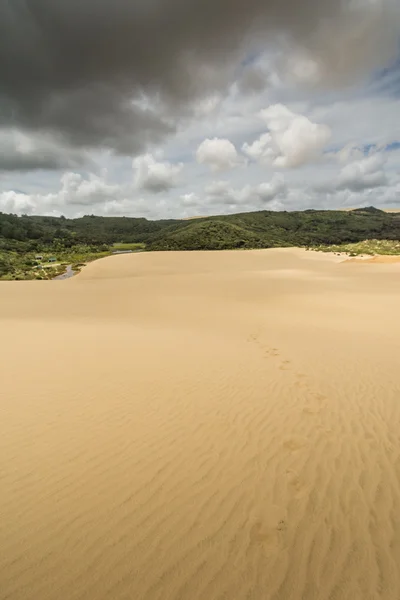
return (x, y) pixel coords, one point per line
(25, 265)
(277, 229)
(77, 241)
(130, 246)
(372, 247)
(215, 234)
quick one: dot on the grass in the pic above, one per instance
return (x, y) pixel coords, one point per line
(19, 267)
(16, 266)
(20, 274)
(371, 247)
(133, 247)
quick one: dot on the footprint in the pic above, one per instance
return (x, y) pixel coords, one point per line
(269, 535)
(281, 525)
(309, 410)
(273, 352)
(324, 430)
(301, 385)
(296, 485)
(294, 443)
(320, 397)
(285, 365)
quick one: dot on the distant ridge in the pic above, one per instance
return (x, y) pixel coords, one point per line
(262, 229)
(385, 210)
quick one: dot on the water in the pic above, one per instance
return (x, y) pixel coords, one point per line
(68, 273)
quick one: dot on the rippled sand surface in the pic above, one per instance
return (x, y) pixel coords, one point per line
(200, 426)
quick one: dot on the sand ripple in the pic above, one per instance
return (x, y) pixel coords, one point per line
(201, 426)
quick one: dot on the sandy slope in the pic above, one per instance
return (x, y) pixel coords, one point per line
(202, 426)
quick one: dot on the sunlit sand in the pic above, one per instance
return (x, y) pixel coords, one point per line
(202, 425)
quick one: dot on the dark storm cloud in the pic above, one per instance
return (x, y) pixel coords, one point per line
(118, 73)
(16, 161)
(21, 152)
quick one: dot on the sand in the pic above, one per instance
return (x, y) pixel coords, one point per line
(202, 426)
(377, 258)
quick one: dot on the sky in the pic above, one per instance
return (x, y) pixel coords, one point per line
(180, 108)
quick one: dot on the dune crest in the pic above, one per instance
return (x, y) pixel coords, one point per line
(202, 425)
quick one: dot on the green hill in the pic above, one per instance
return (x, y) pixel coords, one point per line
(77, 240)
(210, 234)
(274, 229)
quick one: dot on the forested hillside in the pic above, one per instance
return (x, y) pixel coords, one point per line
(64, 241)
(248, 230)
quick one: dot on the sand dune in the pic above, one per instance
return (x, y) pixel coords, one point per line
(197, 426)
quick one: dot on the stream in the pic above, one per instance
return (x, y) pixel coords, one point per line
(68, 273)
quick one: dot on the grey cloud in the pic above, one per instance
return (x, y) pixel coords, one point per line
(124, 208)
(77, 196)
(23, 152)
(360, 174)
(268, 195)
(190, 200)
(253, 80)
(120, 74)
(363, 174)
(374, 180)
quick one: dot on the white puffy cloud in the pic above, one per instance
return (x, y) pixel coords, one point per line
(190, 199)
(74, 192)
(268, 191)
(16, 203)
(292, 139)
(363, 174)
(218, 154)
(313, 126)
(345, 175)
(131, 207)
(261, 149)
(390, 196)
(79, 191)
(349, 153)
(257, 196)
(155, 176)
